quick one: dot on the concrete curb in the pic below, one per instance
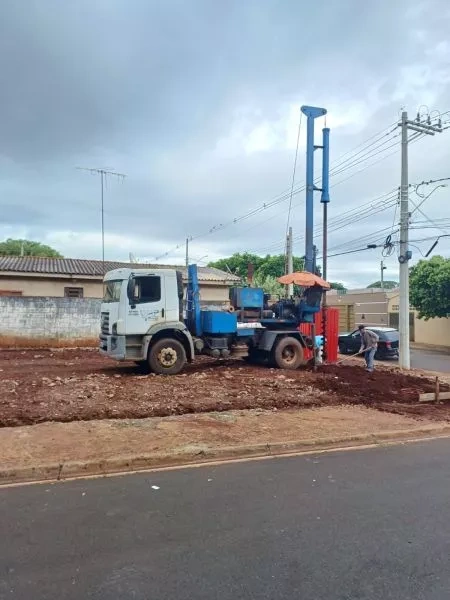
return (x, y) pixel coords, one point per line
(124, 464)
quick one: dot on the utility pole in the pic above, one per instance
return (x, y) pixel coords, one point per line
(103, 175)
(382, 269)
(187, 253)
(405, 254)
(290, 262)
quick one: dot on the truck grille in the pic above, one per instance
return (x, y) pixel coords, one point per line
(105, 322)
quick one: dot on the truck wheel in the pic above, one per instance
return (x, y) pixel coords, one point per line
(288, 353)
(167, 357)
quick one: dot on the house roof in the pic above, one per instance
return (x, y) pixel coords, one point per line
(96, 268)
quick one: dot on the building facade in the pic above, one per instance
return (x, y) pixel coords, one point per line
(434, 332)
(368, 306)
(77, 278)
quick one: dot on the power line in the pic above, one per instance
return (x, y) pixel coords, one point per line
(379, 149)
(293, 172)
(373, 206)
(284, 196)
(375, 246)
(415, 138)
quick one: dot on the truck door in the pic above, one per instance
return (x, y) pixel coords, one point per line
(146, 303)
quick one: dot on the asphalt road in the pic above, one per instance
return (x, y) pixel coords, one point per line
(358, 525)
(430, 360)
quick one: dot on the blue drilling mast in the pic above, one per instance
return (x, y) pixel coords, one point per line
(312, 113)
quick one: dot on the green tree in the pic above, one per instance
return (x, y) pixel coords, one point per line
(238, 263)
(12, 247)
(430, 287)
(263, 266)
(269, 284)
(336, 285)
(275, 266)
(388, 285)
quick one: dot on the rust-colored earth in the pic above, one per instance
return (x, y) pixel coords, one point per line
(71, 385)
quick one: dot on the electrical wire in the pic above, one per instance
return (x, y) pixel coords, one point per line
(372, 207)
(416, 138)
(339, 164)
(293, 173)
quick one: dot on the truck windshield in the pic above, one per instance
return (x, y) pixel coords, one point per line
(112, 291)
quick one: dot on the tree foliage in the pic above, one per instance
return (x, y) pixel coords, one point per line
(388, 285)
(268, 266)
(269, 284)
(12, 247)
(336, 285)
(430, 287)
(238, 263)
(275, 266)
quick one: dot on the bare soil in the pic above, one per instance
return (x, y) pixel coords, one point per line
(73, 385)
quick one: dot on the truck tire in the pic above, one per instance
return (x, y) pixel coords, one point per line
(288, 354)
(167, 357)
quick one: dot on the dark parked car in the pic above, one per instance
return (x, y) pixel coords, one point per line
(350, 343)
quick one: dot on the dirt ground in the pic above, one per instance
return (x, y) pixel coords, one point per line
(72, 385)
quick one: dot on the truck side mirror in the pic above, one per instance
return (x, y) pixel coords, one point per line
(130, 292)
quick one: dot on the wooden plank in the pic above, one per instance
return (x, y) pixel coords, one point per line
(431, 396)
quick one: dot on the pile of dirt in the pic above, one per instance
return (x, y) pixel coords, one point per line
(370, 388)
(68, 385)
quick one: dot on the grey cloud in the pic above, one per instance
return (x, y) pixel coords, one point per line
(148, 88)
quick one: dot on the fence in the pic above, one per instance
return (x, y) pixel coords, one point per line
(45, 320)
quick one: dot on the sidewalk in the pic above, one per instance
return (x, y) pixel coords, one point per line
(63, 450)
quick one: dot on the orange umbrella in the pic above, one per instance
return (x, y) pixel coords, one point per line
(304, 279)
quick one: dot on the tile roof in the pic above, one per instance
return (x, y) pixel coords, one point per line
(92, 268)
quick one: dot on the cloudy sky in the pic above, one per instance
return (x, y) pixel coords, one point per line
(197, 102)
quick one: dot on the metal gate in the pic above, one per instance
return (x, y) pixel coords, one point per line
(346, 317)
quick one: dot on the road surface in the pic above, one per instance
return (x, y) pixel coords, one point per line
(430, 360)
(365, 524)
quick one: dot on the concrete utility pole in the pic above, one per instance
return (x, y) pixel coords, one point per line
(405, 254)
(290, 262)
(382, 269)
(187, 252)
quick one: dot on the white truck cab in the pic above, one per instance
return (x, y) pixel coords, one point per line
(142, 319)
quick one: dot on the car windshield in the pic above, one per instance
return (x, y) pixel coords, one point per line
(112, 291)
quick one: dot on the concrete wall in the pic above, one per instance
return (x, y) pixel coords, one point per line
(92, 288)
(49, 318)
(435, 332)
(56, 319)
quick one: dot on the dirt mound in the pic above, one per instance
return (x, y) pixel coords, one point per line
(68, 385)
(369, 388)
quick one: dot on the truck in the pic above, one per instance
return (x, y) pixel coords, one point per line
(146, 318)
